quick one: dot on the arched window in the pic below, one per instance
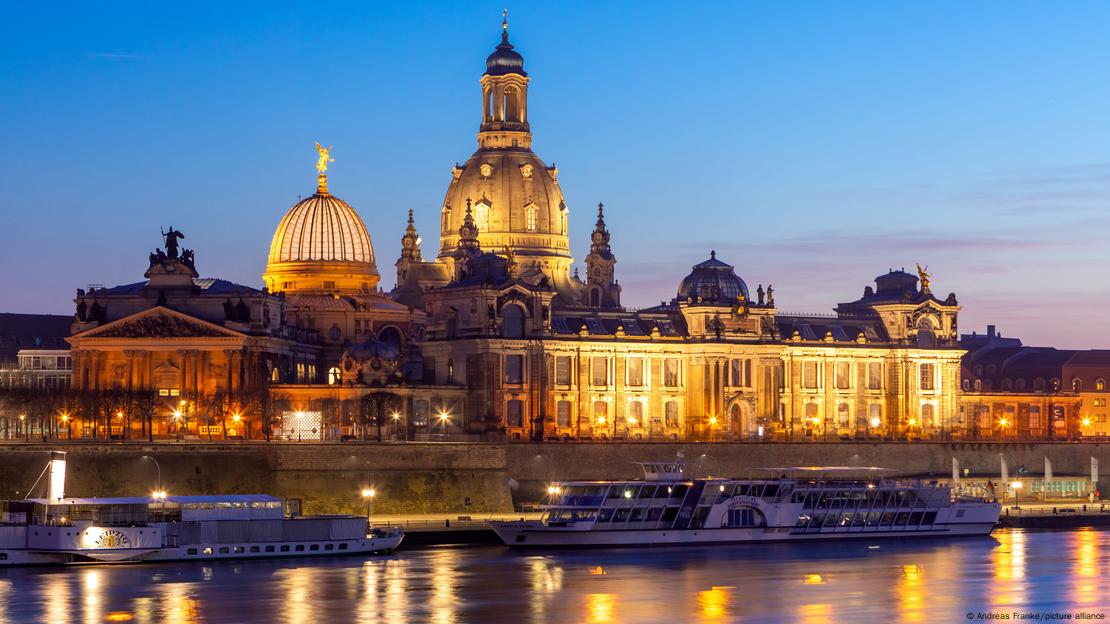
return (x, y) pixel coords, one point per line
(1100, 384)
(978, 385)
(446, 219)
(927, 415)
(1076, 385)
(601, 413)
(530, 213)
(450, 370)
(334, 376)
(481, 217)
(1007, 384)
(991, 370)
(1038, 384)
(1019, 384)
(979, 370)
(390, 334)
(1054, 384)
(670, 414)
(926, 339)
(512, 322)
(275, 375)
(966, 384)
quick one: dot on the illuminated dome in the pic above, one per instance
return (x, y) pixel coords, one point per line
(321, 245)
(712, 281)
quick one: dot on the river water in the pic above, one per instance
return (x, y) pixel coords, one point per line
(860, 581)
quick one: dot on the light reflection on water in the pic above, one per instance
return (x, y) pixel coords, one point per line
(905, 581)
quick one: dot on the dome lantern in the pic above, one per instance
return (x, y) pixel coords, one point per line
(712, 281)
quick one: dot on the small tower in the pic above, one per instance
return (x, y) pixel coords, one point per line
(468, 246)
(602, 289)
(410, 251)
(505, 97)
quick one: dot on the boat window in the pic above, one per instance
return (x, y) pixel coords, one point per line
(859, 519)
(207, 550)
(873, 518)
(647, 492)
(314, 547)
(191, 551)
(742, 489)
(238, 549)
(772, 490)
(621, 515)
(669, 514)
(615, 491)
(606, 515)
(637, 514)
(342, 547)
(818, 519)
(223, 550)
(655, 513)
(901, 518)
(887, 519)
(630, 491)
(915, 518)
(803, 521)
(299, 548)
(698, 520)
(929, 518)
(679, 491)
(254, 549)
(845, 519)
(285, 548)
(329, 546)
(831, 519)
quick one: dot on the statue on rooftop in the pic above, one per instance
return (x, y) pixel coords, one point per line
(171, 242)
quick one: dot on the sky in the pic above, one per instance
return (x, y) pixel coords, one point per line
(813, 145)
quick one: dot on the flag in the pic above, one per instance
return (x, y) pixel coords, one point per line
(955, 472)
(1047, 470)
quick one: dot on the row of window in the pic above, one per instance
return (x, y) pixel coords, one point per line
(633, 416)
(1019, 384)
(481, 212)
(237, 550)
(45, 362)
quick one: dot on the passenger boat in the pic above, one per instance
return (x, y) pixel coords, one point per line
(58, 529)
(801, 504)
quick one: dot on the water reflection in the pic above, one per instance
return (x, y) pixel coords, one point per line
(904, 581)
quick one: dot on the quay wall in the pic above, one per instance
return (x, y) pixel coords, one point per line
(477, 478)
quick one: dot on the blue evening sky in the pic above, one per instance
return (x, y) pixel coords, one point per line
(813, 145)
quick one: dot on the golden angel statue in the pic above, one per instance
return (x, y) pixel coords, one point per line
(324, 159)
(923, 273)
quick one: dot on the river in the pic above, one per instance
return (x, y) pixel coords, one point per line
(860, 581)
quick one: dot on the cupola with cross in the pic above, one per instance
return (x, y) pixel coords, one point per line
(602, 289)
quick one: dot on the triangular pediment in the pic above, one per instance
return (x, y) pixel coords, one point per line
(159, 322)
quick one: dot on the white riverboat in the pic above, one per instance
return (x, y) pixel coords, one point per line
(60, 530)
(799, 504)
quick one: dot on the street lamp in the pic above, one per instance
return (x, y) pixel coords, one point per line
(444, 419)
(712, 426)
(368, 495)
(158, 486)
(23, 426)
(65, 422)
(177, 424)
(1016, 485)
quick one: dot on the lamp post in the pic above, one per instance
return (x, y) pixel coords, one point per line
(177, 424)
(23, 426)
(65, 422)
(396, 418)
(158, 486)
(1016, 485)
(712, 427)
(368, 495)
(444, 419)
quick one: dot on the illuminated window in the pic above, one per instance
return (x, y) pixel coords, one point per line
(842, 416)
(1076, 385)
(1035, 418)
(562, 413)
(635, 371)
(481, 217)
(599, 371)
(928, 376)
(530, 217)
(670, 372)
(601, 410)
(809, 375)
(927, 415)
(843, 375)
(334, 376)
(875, 414)
(562, 370)
(635, 413)
(670, 414)
(1100, 384)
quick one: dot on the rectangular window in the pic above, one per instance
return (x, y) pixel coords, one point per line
(747, 373)
(670, 372)
(329, 546)
(635, 371)
(875, 414)
(223, 550)
(562, 413)
(843, 375)
(1035, 417)
(736, 372)
(254, 549)
(635, 413)
(514, 369)
(269, 549)
(299, 548)
(314, 547)
(238, 549)
(809, 375)
(207, 550)
(927, 376)
(562, 370)
(343, 546)
(874, 375)
(670, 413)
(191, 551)
(599, 371)
(516, 413)
(285, 548)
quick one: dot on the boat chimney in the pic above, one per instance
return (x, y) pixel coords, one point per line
(57, 477)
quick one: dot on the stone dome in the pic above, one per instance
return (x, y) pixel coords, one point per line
(386, 351)
(321, 244)
(712, 281)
